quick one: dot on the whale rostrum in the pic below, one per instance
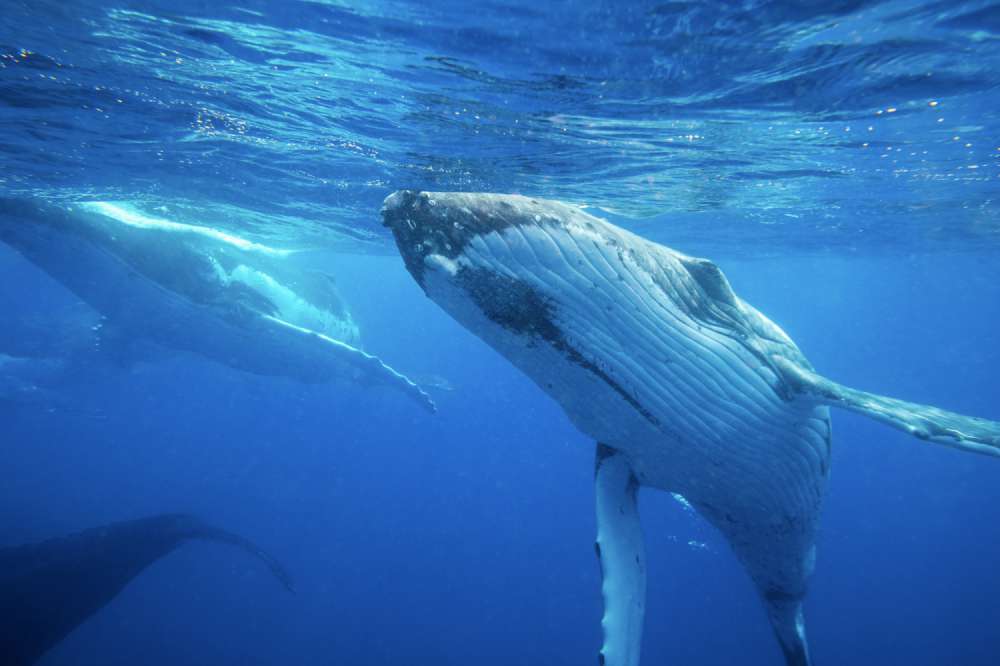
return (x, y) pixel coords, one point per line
(684, 386)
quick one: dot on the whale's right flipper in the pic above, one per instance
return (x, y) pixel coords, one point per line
(622, 556)
(922, 421)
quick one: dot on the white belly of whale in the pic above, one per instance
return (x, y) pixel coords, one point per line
(702, 395)
(684, 386)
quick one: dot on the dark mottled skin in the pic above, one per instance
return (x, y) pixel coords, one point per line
(518, 308)
(449, 237)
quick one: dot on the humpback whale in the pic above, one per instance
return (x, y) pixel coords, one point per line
(197, 289)
(682, 385)
(47, 589)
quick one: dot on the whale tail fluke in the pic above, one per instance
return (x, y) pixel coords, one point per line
(924, 422)
(196, 529)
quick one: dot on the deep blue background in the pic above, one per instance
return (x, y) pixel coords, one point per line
(839, 160)
(466, 537)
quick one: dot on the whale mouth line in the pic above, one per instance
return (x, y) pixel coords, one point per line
(517, 307)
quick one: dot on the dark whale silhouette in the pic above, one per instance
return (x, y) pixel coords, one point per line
(47, 589)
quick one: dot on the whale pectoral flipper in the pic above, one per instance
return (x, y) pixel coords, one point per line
(371, 367)
(622, 557)
(928, 423)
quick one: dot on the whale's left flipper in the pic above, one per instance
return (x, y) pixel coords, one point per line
(924, 422)
(370, 367)
(622, 556)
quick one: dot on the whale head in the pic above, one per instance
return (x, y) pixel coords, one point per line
(508, 268)
(590, 311)
(482, 256)
(572, 300)
(518, 267)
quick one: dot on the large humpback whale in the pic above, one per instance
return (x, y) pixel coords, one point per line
(683, 386)
(47, 589)
(196, 289)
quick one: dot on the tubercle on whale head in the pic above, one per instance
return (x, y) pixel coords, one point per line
(404, 213)
(432, 228)
(429, 223)
(441, 224)
(433, 231)
(447, 241)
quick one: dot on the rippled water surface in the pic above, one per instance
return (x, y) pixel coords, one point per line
(840, 160)
(817, 125)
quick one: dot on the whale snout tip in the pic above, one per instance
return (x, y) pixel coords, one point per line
(398, 203)
(394, 202)
(410, 215)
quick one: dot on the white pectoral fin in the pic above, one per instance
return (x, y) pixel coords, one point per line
(622, 557)
(928, 423)
(373, 369)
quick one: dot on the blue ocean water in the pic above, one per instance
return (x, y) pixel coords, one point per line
(840, 161)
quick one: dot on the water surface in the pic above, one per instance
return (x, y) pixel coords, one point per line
(839, 160)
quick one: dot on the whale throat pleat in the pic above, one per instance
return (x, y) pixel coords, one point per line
(698, 384)
(719, 425)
